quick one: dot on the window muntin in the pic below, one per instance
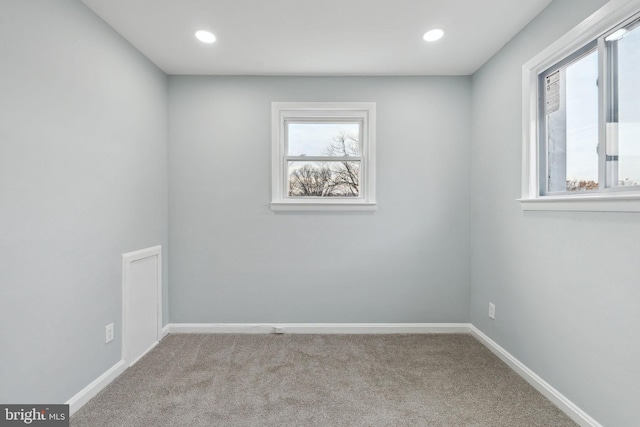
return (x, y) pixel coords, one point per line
(323, 156)
(586, 146)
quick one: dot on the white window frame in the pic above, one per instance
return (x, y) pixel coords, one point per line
(363, 112)
(611, 15)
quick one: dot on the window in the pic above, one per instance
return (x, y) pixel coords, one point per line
(582, 119)
(323, 156)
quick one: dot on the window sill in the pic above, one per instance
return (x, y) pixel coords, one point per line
(324, 206)
(586, 203)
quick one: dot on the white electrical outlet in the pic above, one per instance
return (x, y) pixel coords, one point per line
(109, 333)
(278, 330)
(492, 311)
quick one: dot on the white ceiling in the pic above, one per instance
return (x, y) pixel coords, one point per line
(318, 37)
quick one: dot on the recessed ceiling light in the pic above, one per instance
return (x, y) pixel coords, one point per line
(205, 36)
(433, 35)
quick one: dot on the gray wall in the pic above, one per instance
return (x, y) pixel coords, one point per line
(565, 284)
(234, 260)
(83, 179)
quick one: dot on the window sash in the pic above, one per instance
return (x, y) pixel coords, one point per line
(328, 159)
(607, 112)
(361, 167)
(324, 120)
(543, 118)
(610, 120)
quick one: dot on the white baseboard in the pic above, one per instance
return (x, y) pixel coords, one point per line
(89, 392)
(164, 331)
(565, 405)
(317, 328)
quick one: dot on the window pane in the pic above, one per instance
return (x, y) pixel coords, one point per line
(324, 179)
(572, 130)
(623, 127)
(323, 139)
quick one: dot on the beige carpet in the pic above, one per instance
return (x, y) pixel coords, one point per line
(320, 380)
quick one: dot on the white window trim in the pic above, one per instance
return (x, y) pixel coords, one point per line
(365, 111)
(610, 15)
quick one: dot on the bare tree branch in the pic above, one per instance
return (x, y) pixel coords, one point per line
(330, 179)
